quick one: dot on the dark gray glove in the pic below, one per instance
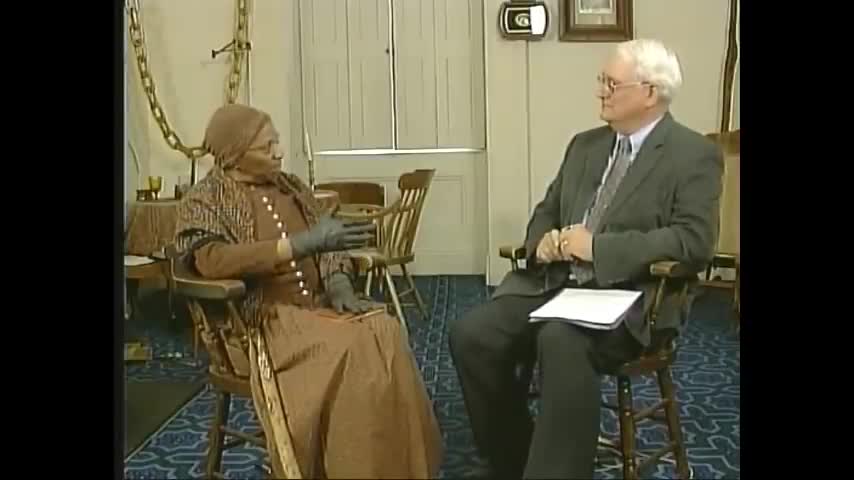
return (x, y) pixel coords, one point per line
(343, 297)
(332, 234)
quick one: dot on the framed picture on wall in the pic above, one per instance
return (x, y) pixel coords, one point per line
(596, 20)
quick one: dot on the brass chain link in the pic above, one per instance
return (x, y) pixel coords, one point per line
(241, 43)
(137, 38)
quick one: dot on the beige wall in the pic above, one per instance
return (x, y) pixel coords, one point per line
(535, 110)
(538, 95)
(190, 85)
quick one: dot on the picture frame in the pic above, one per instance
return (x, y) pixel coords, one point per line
(596, 21)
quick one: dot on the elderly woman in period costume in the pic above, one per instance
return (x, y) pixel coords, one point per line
(333, 379)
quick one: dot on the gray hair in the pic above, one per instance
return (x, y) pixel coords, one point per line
(654, 63)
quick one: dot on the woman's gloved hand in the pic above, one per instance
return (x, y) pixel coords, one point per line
(332, 234)
(343, 296)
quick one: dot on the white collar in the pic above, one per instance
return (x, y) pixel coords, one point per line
(637, 138)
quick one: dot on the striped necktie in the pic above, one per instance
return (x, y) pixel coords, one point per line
(622, 160)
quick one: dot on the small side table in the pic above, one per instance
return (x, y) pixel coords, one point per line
(151, 226)
(140, 350)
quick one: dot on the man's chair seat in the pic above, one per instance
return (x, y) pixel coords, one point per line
(655, 360)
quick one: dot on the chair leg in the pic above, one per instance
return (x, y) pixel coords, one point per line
(380, 285)
(627, 427)
(368, 277)
(674, 427)
(217, 435)
(170, 301)
(394, 298)
(134, 312)
(197, 338)
(418, 299)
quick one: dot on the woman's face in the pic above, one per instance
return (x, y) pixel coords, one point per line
(265, 155)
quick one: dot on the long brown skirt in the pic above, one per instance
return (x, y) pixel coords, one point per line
(342, 398)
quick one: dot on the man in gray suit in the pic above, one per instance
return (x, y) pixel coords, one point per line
(641, 189)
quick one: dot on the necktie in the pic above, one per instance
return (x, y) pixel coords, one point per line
(622, 158)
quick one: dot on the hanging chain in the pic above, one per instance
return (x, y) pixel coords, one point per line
(241, 43)
(137, 38)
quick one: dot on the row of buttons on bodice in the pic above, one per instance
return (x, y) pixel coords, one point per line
(280, 224)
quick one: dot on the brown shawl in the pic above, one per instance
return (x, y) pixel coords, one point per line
(218, 209)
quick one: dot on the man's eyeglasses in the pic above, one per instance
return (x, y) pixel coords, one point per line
(610, 85)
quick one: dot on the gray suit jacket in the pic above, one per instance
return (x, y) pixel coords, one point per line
(666, 208)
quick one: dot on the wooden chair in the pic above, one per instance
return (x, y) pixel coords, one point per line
(397, 226)
(366, 193)
(226, 342)
(356, 196)
(655, 360)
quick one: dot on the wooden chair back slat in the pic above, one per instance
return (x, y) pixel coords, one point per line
(400, 229)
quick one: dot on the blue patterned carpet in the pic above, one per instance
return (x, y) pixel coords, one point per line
(706, 375)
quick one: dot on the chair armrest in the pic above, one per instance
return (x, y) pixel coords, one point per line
(666, 269)
(513, 252)
(189, 284)
(368, 212)
(672, 269)
(209, 289)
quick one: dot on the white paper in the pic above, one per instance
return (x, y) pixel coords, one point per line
(134, 260)
(603, 309)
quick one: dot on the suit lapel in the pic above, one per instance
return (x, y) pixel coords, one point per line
(594, 167)
(646, 160)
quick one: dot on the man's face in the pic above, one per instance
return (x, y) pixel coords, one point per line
(265, 154)
(623, 98)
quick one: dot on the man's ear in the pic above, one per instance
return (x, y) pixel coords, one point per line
(653, 97)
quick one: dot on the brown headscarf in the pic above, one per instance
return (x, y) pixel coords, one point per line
(231, 131)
